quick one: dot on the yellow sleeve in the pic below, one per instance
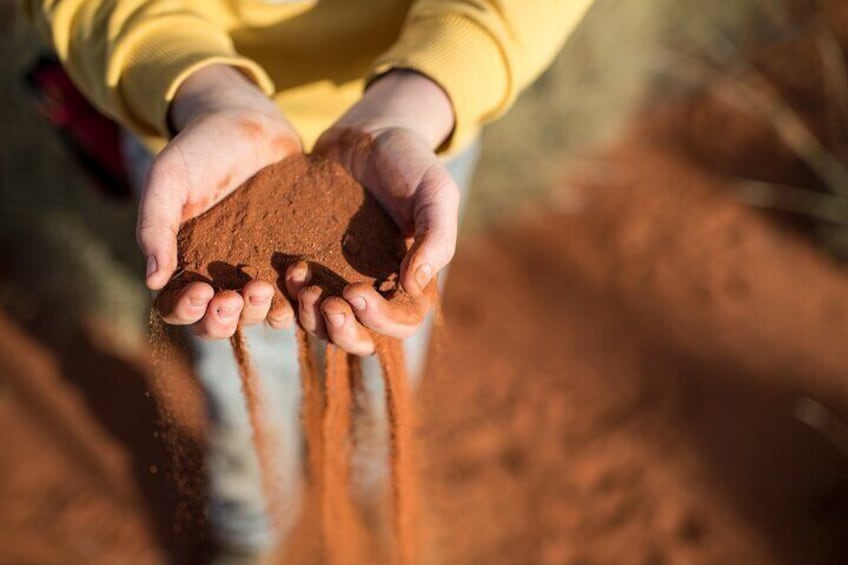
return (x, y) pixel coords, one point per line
(130, 56)
(483, 53)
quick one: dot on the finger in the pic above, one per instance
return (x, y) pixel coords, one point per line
(297, 277)
(384, 317)
(436, 217)
(281, 315)
(257, 301)
(343, 329)
(190, 305)
(309, 314)
(159, 214)
(222, 316)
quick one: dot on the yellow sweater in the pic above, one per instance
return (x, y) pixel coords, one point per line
(314, 57)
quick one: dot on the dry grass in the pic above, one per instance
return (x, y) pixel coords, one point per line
(603, 74)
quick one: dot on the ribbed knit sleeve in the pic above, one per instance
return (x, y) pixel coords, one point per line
(129, 57)
(482, 53)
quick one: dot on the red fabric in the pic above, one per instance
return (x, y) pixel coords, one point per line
(94, 138)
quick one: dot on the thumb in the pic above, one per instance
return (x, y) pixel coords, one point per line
(436, 218)
(159, 215)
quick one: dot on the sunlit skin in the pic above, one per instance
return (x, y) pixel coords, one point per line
(228, 130)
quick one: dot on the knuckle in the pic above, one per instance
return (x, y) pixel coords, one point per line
(365, 346)
(349, 343)
(280, 313)
(143, 232)
(251, 320)
(163, 170)
(363, 349)
(444, 188)
(149, 229)
(180, 318)
(223, 333)
(279, 323)
(447, 256)
(172, 320)
(307, 320)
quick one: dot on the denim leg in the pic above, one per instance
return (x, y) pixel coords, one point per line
(237, 503)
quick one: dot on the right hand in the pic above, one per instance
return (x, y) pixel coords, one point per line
(227, 130)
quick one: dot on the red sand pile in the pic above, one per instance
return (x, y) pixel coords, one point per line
(307, 208)
(303, 208)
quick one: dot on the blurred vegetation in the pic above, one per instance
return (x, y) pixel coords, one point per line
(66, 250)
(604, 73)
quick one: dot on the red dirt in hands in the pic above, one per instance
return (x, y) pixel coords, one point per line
(302, 208)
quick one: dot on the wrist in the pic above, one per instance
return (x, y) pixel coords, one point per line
(410, 100)
(210, 89)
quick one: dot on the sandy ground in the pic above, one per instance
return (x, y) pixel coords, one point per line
(640, 405)
(623, 380)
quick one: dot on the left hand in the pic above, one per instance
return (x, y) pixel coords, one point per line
(387, 141)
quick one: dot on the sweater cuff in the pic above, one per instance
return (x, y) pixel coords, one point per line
(464, 59)
(154, 67)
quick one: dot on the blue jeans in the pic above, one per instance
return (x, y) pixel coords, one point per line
(237, 506)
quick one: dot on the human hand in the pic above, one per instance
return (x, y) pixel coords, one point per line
(387, 141)
(227, 131)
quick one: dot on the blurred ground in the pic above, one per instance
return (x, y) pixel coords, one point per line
(645, 398)
(630, 351)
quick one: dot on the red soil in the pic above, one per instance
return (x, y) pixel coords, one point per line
(303, 208)
(88, 475)
(638, 405)
(401, 409)
(620, 382)
(344, 535)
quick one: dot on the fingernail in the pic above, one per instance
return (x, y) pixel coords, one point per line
(259, 300)
(423, 275)
(226, 313)
(336, 320)
(152, 266)
(300, 275)
(359, 303)
(197, 302)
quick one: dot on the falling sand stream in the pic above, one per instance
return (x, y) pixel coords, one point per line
(325, 219)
